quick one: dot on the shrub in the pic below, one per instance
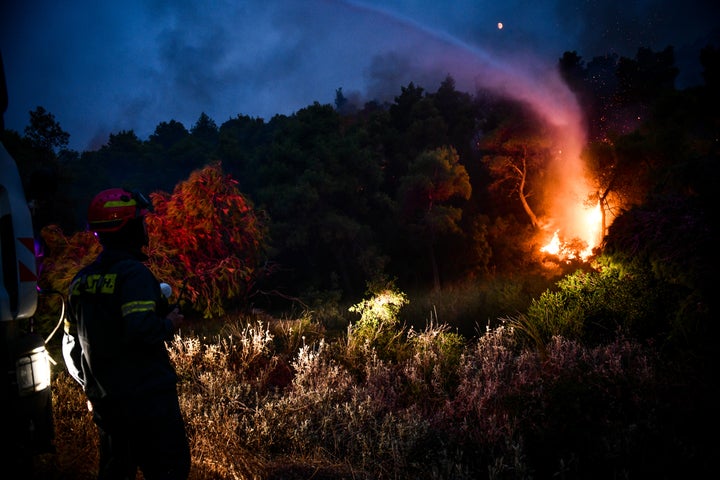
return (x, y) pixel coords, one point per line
(580, 411)
(378, 326)
(206, 237)
(594, 306)
(61, 259)
(432, 370)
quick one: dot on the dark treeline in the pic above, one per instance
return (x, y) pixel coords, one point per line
(401, 189)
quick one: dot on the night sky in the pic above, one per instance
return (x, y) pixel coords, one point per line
(102, 67)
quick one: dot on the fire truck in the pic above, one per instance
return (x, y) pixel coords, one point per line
(27, 424)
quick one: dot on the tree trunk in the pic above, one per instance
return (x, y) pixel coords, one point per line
(523, 197)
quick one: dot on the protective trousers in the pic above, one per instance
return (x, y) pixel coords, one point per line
(146, 433)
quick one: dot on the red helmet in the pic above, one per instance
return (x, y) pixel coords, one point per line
(111, 209)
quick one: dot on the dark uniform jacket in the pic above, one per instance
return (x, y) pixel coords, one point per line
(115, 330)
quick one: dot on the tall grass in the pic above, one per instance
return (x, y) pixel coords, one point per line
(470, 305)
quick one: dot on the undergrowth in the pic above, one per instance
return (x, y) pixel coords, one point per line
(268, 398)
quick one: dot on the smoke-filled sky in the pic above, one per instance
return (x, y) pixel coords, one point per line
(102, 67)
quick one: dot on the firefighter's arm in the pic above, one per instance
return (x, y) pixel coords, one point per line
(141, 310)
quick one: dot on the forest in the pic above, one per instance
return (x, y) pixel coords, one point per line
(382, 269)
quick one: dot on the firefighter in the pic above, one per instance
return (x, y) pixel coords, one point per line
(114, 346)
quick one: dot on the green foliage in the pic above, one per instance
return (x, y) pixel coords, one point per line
(124, 161)
(41, 157)
(670, 240)
(594, 306)
(428, 193)
(434, 178)
(320, 189)
(517, 155)
(168, 134)
(378, 324)
(647, 76)
(208, 238)
(205, 130)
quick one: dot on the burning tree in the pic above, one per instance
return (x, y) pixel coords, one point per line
(207, 238)
(528, 156)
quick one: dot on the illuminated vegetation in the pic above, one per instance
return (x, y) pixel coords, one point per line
(206, 240)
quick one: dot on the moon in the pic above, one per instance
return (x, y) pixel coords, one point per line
(500, 26)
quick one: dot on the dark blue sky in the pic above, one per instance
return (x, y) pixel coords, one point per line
(103, 67)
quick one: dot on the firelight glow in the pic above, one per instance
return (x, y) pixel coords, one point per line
(587, 229)
(553, 247)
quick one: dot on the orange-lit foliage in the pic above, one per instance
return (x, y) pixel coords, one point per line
(207, 237)
(62, 258)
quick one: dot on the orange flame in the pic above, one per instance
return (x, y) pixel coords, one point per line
(593, 229)
(587, 232)
(553, 247)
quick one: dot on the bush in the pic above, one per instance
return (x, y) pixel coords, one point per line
(206, 238)
(61, 259)
(594, 306)
(378, 327)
